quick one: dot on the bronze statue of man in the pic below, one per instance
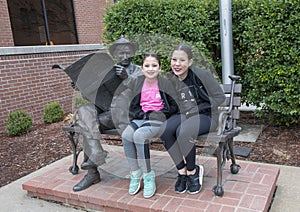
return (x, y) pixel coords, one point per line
(93, 119)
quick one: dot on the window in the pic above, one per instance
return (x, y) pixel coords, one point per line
(30, 28)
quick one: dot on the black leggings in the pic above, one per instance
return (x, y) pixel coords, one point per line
(179, 138)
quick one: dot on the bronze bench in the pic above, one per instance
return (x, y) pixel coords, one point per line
(222, 138)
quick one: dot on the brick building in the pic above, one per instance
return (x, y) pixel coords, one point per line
(27, 27)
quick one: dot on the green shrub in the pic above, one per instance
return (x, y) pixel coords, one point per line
(79, 100)
(18, 122)
(174, 21)
(265, 42)
(53, 113)
(267, 55)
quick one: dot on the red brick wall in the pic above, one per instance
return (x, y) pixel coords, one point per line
(27, 82)
(6, 37)
(88, 17)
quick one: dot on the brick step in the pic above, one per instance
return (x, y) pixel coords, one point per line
(251, 189)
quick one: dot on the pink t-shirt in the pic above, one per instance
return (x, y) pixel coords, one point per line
(150, 97)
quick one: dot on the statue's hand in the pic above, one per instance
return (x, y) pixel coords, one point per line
(120, 71)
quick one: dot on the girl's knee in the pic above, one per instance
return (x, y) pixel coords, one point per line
(139, 137)
(128, 133)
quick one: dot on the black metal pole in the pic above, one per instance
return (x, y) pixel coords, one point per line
(74, 20)
(46, 22)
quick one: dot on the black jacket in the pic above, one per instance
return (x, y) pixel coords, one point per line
(209, 94)
(167, 93)
(126, 104)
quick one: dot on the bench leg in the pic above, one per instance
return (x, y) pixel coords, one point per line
(74, 139)
(234, 168)
(218, 189)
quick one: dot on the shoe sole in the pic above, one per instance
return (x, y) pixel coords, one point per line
(195, 192)
(181, 192)
(201, 173)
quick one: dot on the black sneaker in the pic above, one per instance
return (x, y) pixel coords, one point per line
(180, 186)
(194, 182)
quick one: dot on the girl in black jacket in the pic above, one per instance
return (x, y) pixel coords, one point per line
(199, 97)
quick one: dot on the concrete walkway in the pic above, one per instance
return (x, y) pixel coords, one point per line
(14, 199)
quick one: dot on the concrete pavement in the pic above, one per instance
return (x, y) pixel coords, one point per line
(14, 199)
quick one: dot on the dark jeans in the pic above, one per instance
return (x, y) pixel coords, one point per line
(179, 138)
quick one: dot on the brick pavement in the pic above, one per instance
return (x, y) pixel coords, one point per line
(249, 190)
